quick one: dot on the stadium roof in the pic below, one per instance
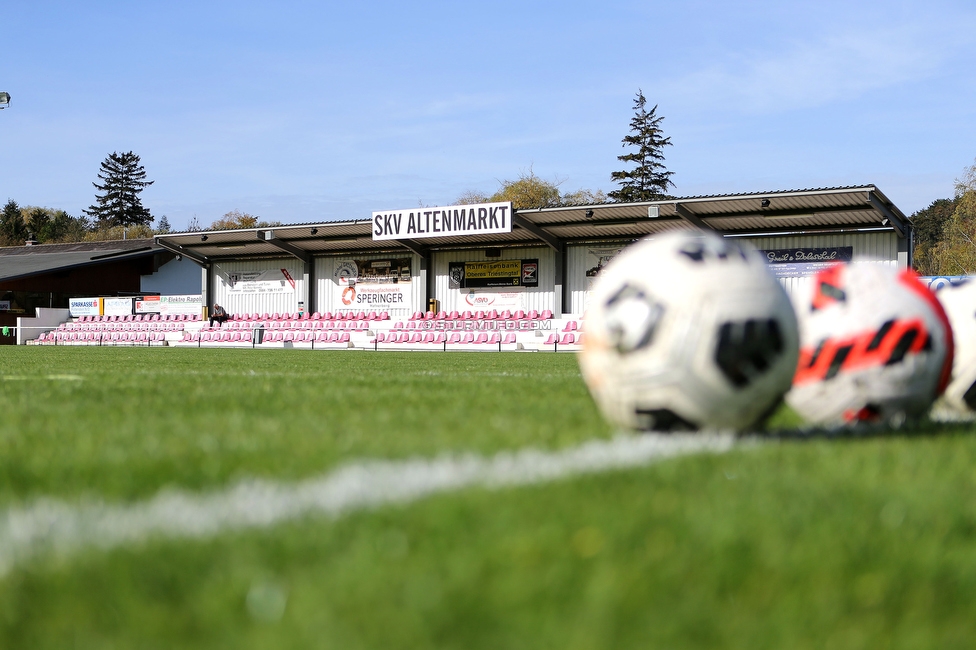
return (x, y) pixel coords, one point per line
(839, 209)
(18, 262)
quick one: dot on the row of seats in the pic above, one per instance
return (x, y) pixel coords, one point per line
(415, 337)
(519, 324)
(100, 338)
(348, 315)
(133, 326)
(492, 314)
(566, 339)
(352, 325)
(276, 336)
(135, 318)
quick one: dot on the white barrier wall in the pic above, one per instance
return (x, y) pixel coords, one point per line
(335, 293)
(526, 298)
(259, 286)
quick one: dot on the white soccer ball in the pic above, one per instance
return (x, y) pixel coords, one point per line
(688, 331)
(875, 346)
(960, 306)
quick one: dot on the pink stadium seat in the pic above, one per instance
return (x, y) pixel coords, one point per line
(384, 315)
(455, 337)
(546, 314)
(316, 316)
(454, 315)
(519, 314)
(235, 336)
(429, 337)
(344, 337)
(495, 338)
(333, 337)
(372, 316)
(361, 315)
(417, 337)
(417, 315)
(440, 338)
(467, 315)
(553, 338)
(571, 326)
(246, 336)
(428, 315)
(289, 336)
(321, 336)
(327, 315)
(468, 337)
(533, 315)
(479, 315)
(276, 316)
(481, 338)
(509, 339)
(441, 315)
(491, 315)
(397, 326)
(568, 339)
(505, 315)
(579, 339)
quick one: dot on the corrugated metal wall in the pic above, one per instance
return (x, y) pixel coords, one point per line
(236, 302)
(328, 294)
(868, 247)
(538, 298)
(873, 246)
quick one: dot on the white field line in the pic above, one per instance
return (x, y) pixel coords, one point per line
(50, 526)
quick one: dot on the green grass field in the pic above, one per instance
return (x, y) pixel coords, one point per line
(850, 543)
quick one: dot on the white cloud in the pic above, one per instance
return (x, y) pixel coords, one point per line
(813, 73)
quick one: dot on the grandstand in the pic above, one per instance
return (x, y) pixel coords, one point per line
(501, 280)
(455, 331)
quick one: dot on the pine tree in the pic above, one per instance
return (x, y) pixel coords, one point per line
(123, 178)
(649, 180)
(163, 227)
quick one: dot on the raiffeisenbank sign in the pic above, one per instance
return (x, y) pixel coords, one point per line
(446, 221)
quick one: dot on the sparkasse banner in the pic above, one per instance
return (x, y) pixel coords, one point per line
(85, 307)
(446, 221)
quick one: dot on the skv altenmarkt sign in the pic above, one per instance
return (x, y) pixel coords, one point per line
(447, 221)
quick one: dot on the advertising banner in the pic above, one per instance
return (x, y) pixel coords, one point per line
(374, 284)
(596, 259)
(446, 221)
(85, 307)
(117, 306)
(147, 305)
(271, 281)
(189, 304)
(804, 262)
(497, 273)
(499, 300)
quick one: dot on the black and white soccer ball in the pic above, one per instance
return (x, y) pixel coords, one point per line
(875, 346)
(688, 331)
(959, 302)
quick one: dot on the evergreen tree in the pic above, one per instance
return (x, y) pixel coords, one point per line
(649, 180)
(163, 226)
(123, 178)
(13, 231)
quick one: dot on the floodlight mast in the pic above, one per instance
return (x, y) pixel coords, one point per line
(4, 100)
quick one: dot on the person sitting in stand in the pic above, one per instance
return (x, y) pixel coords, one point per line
(218, 314)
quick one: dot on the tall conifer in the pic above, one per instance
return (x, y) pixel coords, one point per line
(649, 180)
(118, 203)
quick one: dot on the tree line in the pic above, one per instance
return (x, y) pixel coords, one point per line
(945, 231)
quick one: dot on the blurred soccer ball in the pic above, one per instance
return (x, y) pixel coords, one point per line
(688, 331)
(875, 345)
(960, 306)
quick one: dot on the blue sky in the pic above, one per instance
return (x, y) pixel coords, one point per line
(310, 111)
